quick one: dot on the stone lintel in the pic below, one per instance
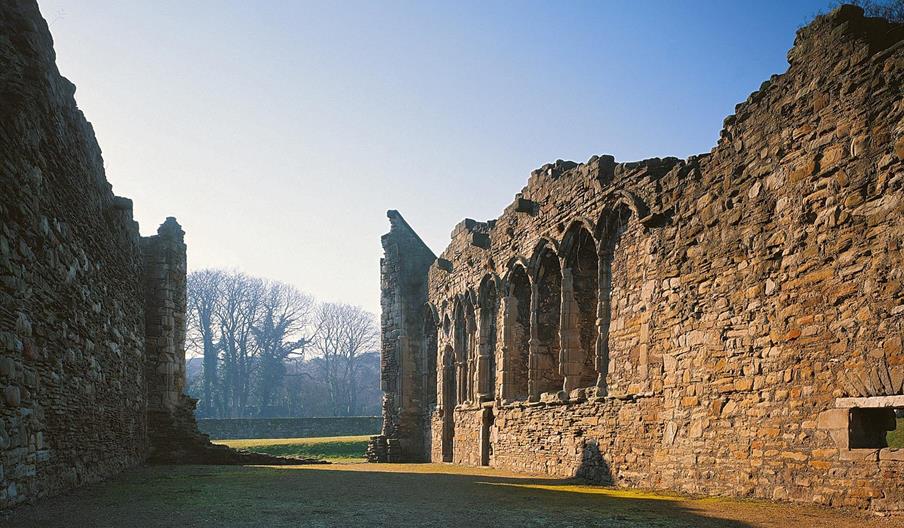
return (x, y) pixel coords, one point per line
(870, 402)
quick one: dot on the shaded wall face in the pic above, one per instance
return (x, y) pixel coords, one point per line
(404, 342)
(92, 318)
(750, 289)
(71, 322)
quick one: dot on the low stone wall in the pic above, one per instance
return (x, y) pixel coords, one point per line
(229, 428)
(631, 443)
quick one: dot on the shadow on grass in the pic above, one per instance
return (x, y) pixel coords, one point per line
(396, 495)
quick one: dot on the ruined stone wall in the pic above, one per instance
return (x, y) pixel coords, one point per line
(71, 314)
(404, 359)
(740, 297)
(91, 315)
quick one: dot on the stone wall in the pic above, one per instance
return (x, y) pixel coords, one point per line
(699, 325)
(91, 315)
(406, 367)
(227, 428)
(71, 304)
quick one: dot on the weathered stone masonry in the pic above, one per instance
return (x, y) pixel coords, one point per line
(406, 371)
(91, 314)
(729, 324)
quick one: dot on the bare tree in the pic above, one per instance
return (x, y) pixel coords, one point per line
(254, 335)
(203, 295)
(344, 334)
(238, 311)
(282, 331)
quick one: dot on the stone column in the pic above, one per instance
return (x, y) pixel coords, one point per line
(603, 320)
(571, 355)
(484, 376)
(165, 308)
(534, 346)
(460, 351)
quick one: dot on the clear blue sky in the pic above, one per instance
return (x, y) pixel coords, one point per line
(279, 133)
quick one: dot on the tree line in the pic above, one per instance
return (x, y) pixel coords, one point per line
(259, 347)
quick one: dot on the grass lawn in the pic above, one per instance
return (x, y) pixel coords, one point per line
(397, 495)
(332, 448)
(896, 437)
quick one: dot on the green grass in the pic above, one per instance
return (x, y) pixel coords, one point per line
(896, 437)
(333, 449)
(398, 495)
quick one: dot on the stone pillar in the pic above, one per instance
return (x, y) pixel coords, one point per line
(533, 359)
(172, 430)
(571, 354)
(509, 333)
(603, 320)
(461, 348)
(441, 367)
(484, 355)
(164, 258)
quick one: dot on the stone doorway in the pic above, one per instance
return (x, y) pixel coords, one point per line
(449, 401)
(486, 428)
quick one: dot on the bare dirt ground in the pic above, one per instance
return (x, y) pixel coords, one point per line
(394, 495)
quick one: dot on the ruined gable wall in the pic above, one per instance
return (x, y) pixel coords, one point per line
(764, 282)
(405, 430)
(71, 315)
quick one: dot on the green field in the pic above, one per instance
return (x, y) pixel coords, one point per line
(333, 448)
(352, 448)
(896, 437)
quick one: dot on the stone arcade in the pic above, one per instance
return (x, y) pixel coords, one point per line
(728, 324)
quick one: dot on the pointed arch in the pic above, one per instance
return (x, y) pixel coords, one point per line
(542, 247)
(580, 299)
(569, 239)
(430, 356)
(515, 331)
(488, 306)
(461, 343)
(546, 297)
(612, 224)
(464, 343)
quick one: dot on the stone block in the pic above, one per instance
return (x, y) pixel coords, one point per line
(859, 455)
(12, 395)
(891, 454)
(7, 366)
(833, 419)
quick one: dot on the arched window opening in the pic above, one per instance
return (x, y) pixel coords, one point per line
(579, 308)
(516, 334)
(544, 362)
(486, 350)
(463, 343)
(612, 225)
(449, 398)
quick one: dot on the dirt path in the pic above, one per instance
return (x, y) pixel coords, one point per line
(393, 495)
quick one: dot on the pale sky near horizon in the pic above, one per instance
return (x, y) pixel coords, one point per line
(279, 133)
